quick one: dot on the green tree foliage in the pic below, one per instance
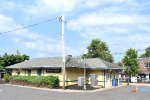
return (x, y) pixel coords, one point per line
(130, 60)
(99, 49)
(147, 53)
(10, 59)
(119, 64)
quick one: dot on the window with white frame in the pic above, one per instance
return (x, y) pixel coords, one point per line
(147, 65)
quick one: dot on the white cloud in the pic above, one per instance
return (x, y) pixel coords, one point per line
(5, 23)
(49, 7)
(7, 5)
(96, 19)
(43, 44)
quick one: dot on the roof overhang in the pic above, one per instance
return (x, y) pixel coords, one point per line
(35, 67)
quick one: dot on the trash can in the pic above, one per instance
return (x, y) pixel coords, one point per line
(116, 82)
(113, 82)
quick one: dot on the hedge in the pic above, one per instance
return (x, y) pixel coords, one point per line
(51, 81)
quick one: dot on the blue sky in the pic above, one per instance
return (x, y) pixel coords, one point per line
(122, 24)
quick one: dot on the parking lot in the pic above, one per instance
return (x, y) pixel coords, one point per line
(8, 92)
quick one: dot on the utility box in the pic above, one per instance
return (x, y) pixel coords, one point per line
(94, 81)
(80, 81)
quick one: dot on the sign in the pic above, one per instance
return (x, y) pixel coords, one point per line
(53, 70)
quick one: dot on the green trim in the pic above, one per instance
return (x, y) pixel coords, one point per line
(71, 81)
(102, 81)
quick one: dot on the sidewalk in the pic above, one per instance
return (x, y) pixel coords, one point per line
(138, 84)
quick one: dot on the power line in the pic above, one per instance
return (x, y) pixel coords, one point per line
(138, 50)
(17, 29)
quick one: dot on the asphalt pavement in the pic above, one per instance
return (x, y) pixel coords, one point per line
(8, 92)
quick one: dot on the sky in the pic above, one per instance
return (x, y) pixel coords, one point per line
(122, 24)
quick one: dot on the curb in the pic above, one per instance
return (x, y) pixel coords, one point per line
(67, 90)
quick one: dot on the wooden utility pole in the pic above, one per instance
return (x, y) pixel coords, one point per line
(63, 51)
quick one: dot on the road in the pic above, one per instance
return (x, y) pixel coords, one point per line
(123, 93)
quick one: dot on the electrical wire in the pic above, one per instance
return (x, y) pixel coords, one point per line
(138, 50)
(17, 29)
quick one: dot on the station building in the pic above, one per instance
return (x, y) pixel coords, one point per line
(103, 71)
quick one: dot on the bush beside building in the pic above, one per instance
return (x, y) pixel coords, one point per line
(38, 81)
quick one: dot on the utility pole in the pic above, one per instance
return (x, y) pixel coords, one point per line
(84, 71)
(63, 51)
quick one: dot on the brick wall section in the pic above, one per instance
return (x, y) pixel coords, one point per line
(142, 67)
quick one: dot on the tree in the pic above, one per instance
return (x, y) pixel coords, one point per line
(147, 52)
(119, 64)
(99, 49)
(130, 60)
(10, 59)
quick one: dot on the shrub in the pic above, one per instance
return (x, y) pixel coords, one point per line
(7, 77)
(51, 81)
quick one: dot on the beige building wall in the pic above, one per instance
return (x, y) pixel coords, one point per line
(14, 71)
(72, 75)
(100, 76)
(22, 72)
(34, 72)
(60, 76)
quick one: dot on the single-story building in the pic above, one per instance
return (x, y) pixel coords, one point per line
(102, 71)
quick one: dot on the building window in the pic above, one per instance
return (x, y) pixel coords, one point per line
(147, 65)
(39, 72)
(29, 72)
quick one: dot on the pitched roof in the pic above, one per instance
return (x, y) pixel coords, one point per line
(92, 63)
(46, 62)
(95, 63)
